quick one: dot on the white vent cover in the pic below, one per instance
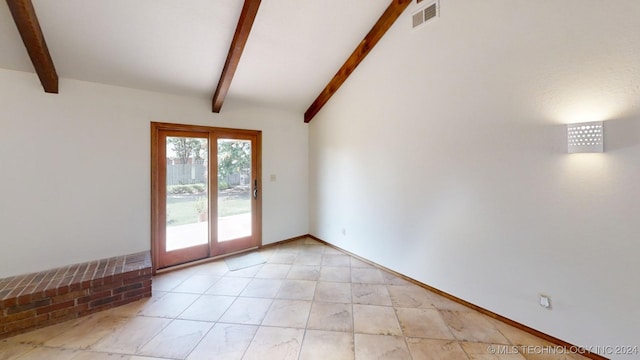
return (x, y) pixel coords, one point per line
(425, 13)
(585, 137)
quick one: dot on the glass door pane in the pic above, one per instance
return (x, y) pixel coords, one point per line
(187, 199)
(235, 189)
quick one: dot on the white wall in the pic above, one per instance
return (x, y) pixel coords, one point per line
(444, 158)
(74, 169)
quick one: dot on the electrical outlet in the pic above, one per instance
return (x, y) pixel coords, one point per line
(344, 232)
(545, 302)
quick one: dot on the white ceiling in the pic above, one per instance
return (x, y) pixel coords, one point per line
(180, 47)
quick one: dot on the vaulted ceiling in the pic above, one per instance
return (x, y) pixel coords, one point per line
(294, 49)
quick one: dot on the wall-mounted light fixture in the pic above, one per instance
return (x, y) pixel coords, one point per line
(585, 137)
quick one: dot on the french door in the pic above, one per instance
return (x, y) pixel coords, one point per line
(205, 199)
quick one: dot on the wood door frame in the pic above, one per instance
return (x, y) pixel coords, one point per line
(157, 222)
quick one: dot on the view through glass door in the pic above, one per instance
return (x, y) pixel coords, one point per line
(196, 212)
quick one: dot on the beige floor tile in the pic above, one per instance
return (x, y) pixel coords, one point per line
(517, 336)
(248, 272)
(472, 326)
(323, 345)
(333, 292)
(207, 308)
(298, 305)
(170, 305)
(332, 251)
(481, 351)
(216, 268)
(392, 279)
(366, 276)
(264, 288)
(273, 271)
(297, 290)
(370, 294)
(380, 347)
(230, 286)
(168, 281)
(291, 247)
(226, 341)
(304, 272)
(312, 241)
(411, 296)
(330, 316)
(275, 343)
(356, 263)
(423, 323)
(131, 336)
(442, 303)
(40, 336)
(249, 311)
(266, 253)
(49, 354)
(196, 284)
(92, 355)
(309, 258)
(282, 258)
(435, 349)
(336, 260)
(69, 354)
(288, 313)
(134, 308)
(372, 319)
(87, 332)
(335, 274)
(177, 339)
(551, 353)
(11, 350)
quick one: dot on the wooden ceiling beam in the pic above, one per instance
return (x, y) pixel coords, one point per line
(26, 20)
(248, 15)
(391, 14)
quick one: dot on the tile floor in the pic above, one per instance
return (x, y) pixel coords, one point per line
(308, 301)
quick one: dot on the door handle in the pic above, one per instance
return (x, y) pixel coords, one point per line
(255, 189)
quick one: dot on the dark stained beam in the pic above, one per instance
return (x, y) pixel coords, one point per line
(387, 19)
(248, 15)
(26, 20)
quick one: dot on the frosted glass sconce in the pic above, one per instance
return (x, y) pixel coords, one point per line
(585, 137)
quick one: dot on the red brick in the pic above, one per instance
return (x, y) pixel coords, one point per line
(103, 301)
(68, 312)
(102, 288)
(42, 318)
(19, 316)
(38, 296)
(22, 324)
(86, 299)
(25, 299)
(54, 307)
(21, 308)
(128, 288)
(7, 303)
(62, 290)
(135, 293)
(136, 279)
(69, 296)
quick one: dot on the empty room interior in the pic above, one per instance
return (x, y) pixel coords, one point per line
(297, 179)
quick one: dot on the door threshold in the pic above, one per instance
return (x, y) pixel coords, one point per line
(202, 261)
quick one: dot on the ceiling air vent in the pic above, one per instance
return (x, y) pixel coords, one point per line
(425, 14)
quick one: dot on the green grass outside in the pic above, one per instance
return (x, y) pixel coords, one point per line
(182, 210)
